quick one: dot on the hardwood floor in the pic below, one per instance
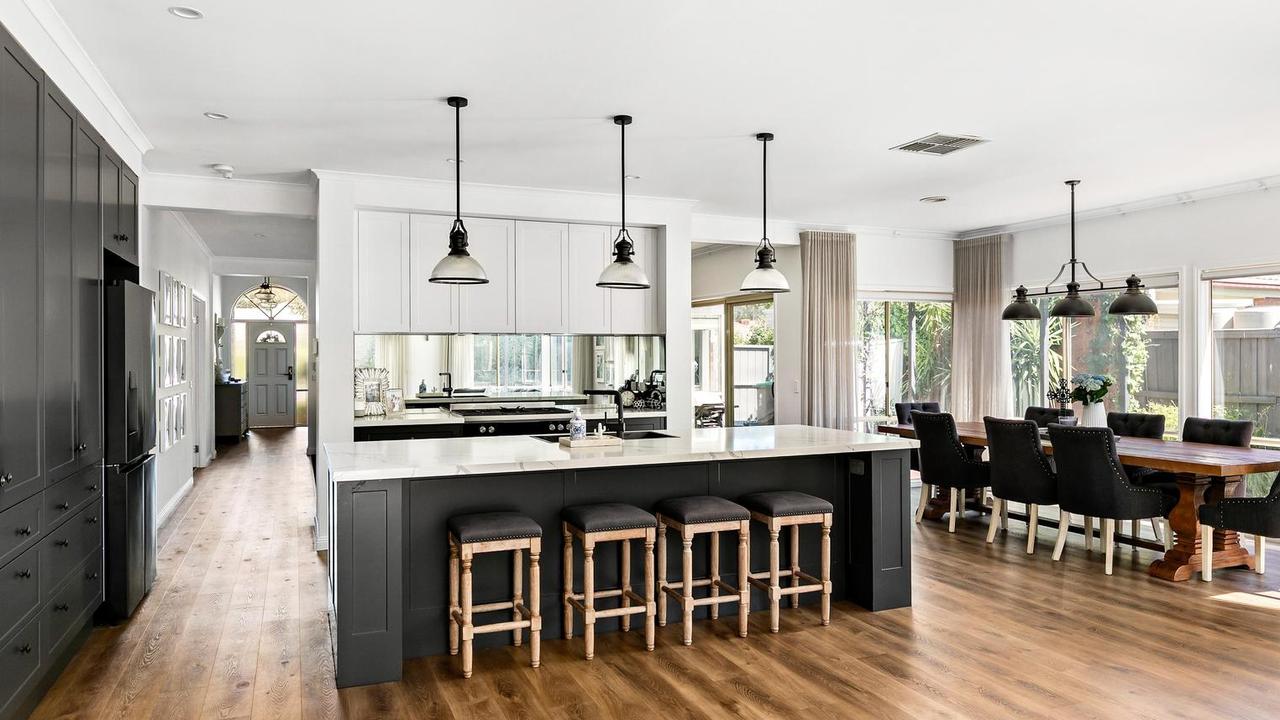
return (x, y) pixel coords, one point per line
(236, 628)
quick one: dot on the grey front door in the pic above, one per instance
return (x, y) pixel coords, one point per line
(272, 382)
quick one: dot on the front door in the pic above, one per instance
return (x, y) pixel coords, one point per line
(272, 383)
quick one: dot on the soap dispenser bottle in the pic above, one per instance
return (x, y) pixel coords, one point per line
(577, 425)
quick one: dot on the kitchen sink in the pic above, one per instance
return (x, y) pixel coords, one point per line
(629, 435)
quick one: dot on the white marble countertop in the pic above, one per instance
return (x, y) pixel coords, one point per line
(439, 416)
(448, 457)
(431, 416)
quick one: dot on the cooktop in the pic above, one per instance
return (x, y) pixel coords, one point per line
(512, 410)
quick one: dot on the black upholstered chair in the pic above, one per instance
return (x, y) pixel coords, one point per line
(903, 411)
(1092, 482)
(1138, 425)
(1020, 472)
(1042, 416)
(1235, 433)
(945, 462)
(1259, 517)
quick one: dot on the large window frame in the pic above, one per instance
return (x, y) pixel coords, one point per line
(728, 305)
(1213, 376)
(886, 301)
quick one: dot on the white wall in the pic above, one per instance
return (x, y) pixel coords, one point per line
(169, 244)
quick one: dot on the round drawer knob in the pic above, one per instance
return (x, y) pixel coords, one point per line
(24, 649)
(81, 447)
(91, 576)
(92, 519)
(61, 607)
(92, 488)
(24, 530)
(490, 428)
(552, 426)
(62, 543)
(64, 506)
(6, 478)
(482, 430)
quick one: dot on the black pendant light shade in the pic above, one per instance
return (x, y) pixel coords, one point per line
(623, 273)
(458, 267)
(765, 278)
(1071, 305)
(1021, 308)
(1133, 301)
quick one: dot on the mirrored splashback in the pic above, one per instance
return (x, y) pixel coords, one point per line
(507, 364)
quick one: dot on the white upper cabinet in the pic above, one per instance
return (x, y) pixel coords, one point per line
(542, 277)
(434, 307)
(589, 251)
(490, 308)
(635, 312)
(382, 272)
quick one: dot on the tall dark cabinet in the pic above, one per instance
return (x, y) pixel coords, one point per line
(64, 195)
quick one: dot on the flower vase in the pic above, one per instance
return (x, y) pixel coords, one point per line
(1094, 415)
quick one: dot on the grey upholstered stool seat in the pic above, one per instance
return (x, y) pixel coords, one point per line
(491, 532)
(781, 503)
(696, 515)
(787, 508)
(607, 522)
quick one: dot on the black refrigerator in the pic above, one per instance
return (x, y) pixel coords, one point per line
(129, 430)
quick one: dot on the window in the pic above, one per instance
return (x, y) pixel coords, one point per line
(522, 361)
(285, 304)
(746, 324)
(270, 337)
(1245, 325)
(904, 353)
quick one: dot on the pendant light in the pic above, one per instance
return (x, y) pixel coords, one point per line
(265, 294)
(458, 267)
(1132, 302)
(623, 273)
(765, 278)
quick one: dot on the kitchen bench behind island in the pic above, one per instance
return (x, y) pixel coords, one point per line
(388, 563)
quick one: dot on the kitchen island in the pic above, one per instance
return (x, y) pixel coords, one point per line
(388, 571)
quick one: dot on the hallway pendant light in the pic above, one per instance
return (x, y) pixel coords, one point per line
(265, 293)
(1133, 302)
(458, 267)
(623, 273)
(765, 278)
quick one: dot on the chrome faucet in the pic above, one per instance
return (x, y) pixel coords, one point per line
(617, 400)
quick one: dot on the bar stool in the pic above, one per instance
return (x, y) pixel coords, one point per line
(692, 516)
(475, 534)
(607, 522)
(787, 508)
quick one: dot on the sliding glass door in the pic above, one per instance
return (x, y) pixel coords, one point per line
(734, 387)
(904, 353)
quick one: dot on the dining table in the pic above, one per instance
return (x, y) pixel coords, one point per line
(1204, 473)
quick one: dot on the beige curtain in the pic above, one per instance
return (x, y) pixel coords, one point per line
(828, 395)
(980, 373)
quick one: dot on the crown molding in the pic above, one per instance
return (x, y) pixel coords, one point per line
(1180, 198)
(187, 227)
(60, 33)
(236, 266)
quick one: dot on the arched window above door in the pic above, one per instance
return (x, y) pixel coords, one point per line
(272, 337)
(269, 301)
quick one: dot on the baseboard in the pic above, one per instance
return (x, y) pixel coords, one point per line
(173, 503)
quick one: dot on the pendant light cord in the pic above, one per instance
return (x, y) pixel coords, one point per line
(457, 162)
(623, 174)
(764, 192)
(1073, 232)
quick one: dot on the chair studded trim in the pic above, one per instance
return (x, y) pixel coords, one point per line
(1255, 515)
(943, 459)
(1092, 481)
(1020, 471)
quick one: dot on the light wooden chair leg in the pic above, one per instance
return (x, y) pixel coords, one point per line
(1206, 553)
(467, 627)
(686, 589)
(589, 596)
(1109, 540)
(996, 504)
(1064, 529)
(774, 583)
(517, 595)
(535, 605)
(926, 493)
(825, 560)
(660, 564)
(568, 580)
(1260, 554)
(624, 572)
(714, 567)
(1033, 522)
(1088, 533)
(453, 597)
(744, 571)
(795, 564)
(650, 612)
(1166, 537)
(951, 516)
(1155, 530)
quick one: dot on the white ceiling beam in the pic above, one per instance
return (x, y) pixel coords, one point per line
(189, 192)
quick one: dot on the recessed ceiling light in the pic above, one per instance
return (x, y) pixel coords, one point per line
(260, 236)
(454, 160)
(632, 177)
(186, 13)
(216, 116)
(932, 199)
(223, 169)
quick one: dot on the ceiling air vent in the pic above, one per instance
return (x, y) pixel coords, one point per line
(939, 144)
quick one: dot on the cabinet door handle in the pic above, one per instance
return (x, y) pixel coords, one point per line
(92, 519)
(24, 649)
(81, 447)
(91, 576)
(92, 488)
(24, 531)
(61, 607)
(64, 506)
(24, 574)
(5, 479)
(62, 543)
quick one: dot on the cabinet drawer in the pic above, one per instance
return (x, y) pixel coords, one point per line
(19, 589)
(68, 496)
(66, 547)
(64, 614)
(20, 660)
(19, 528)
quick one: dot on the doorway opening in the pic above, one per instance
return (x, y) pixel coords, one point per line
(270, 342)
(734, 359)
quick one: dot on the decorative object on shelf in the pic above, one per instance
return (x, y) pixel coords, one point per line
(458, 267)
(1090, 390)
(765, 278)
(1132, 302)
(395, 402)
(623, 273)
(371, 385)
(1060, 395)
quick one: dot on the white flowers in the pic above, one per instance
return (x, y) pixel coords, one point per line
(1091, 388)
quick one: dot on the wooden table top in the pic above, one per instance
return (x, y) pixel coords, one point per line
(1168, 455)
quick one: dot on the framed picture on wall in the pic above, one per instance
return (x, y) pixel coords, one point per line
(181, 360)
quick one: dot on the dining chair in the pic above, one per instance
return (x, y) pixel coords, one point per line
(1020, 472)
(1259, 517)
(1092, 482)
(1234, 433)
(1042, 416)
(903, 411)
(1138, 425)
(945, 462)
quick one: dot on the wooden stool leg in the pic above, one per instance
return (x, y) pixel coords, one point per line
(1109, 540)
(649, 611)
(715, 573)
(589, 595)
(996, 504)
(744, 571)
(1206, 553)
(568, 580)
(661, 561)
(686, 589)
(453, 597)
(535, 604)
(1033, 522)
(467, 627)
(774, 584)
(517, 594)
(624, 570)
(795, 564)
(1064, 528)
(826, 569)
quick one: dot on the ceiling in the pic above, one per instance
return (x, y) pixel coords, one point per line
(255, 236)
(1139, 99)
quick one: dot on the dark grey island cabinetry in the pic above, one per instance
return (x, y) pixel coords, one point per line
(388, 572)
